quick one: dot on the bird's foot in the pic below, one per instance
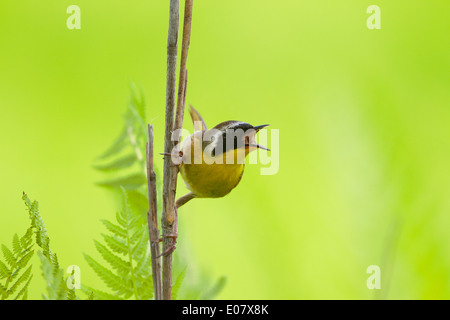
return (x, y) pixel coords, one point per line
(177, 159)
(168, 251)
(172, 247)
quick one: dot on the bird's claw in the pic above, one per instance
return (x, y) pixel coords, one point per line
(172, 247)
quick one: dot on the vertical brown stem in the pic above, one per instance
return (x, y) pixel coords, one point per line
(167, 220)
(152, 217)
(183, 71)
(169, 217)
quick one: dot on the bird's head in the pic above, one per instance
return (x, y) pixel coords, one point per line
(239, 136)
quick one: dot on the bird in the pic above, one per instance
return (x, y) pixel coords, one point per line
(211, 161)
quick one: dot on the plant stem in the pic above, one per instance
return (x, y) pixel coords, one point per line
(183, 71)
(152, 217)
(130, 259)
(169, 216)
(167, 220)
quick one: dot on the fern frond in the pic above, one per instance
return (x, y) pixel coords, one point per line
(138, 118)
(118, 164)
(120, 220)
(129, 182)
(128, 149)
(114, 229)
(113, 281)
(116, 244)
(3, 290)
(122, 266)
(126, 252)
(9, 256)
(23, 278)
(26, 258)
(27, 239)
(91, 296)
(137, 100)
(178, 282)
(16, 260)
(38, 225)
(56, 286)
(53, 274)
(24, 291)
(145, 288)
(4, 271)
(71, 295)
(95, 294)
(128, 218)
(16, 244)
(142, 270)
(142, 245)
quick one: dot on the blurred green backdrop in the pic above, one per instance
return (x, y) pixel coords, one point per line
(363, 117)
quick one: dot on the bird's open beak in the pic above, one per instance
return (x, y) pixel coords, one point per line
(257, 128)
(261, 147)
(255, 145)
(258, 146)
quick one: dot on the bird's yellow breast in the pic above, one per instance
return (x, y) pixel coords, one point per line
(211, 180)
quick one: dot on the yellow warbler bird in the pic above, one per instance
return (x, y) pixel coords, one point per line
(211, 161)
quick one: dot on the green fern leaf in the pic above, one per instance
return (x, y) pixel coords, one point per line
(121, 220)
(42, 239)
(116, 244)
(117, 145)
(22, 249)
(142, 269)
(17, 248)
(56, 286)
(113, 281)
(25, 259)
(130, 182)
(142, 246)
(95, 294)
(215, 290)
(24, 291)
(9, 256)
(4, 271)
(129, 238)
(176, 287)
(122, 266)
(23, 278)
(138, 119)
(55, 263)
(139, 203)
(71, 295)
(145, 288)
(121, 163)
(137, 100)
(91, 296)
(27, 239)
(115, 229)
(130, 219)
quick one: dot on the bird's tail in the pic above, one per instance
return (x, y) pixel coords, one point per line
(197, 120)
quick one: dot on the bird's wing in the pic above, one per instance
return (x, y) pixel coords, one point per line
(199, 123)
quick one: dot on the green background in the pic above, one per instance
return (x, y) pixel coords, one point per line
(363, 117)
